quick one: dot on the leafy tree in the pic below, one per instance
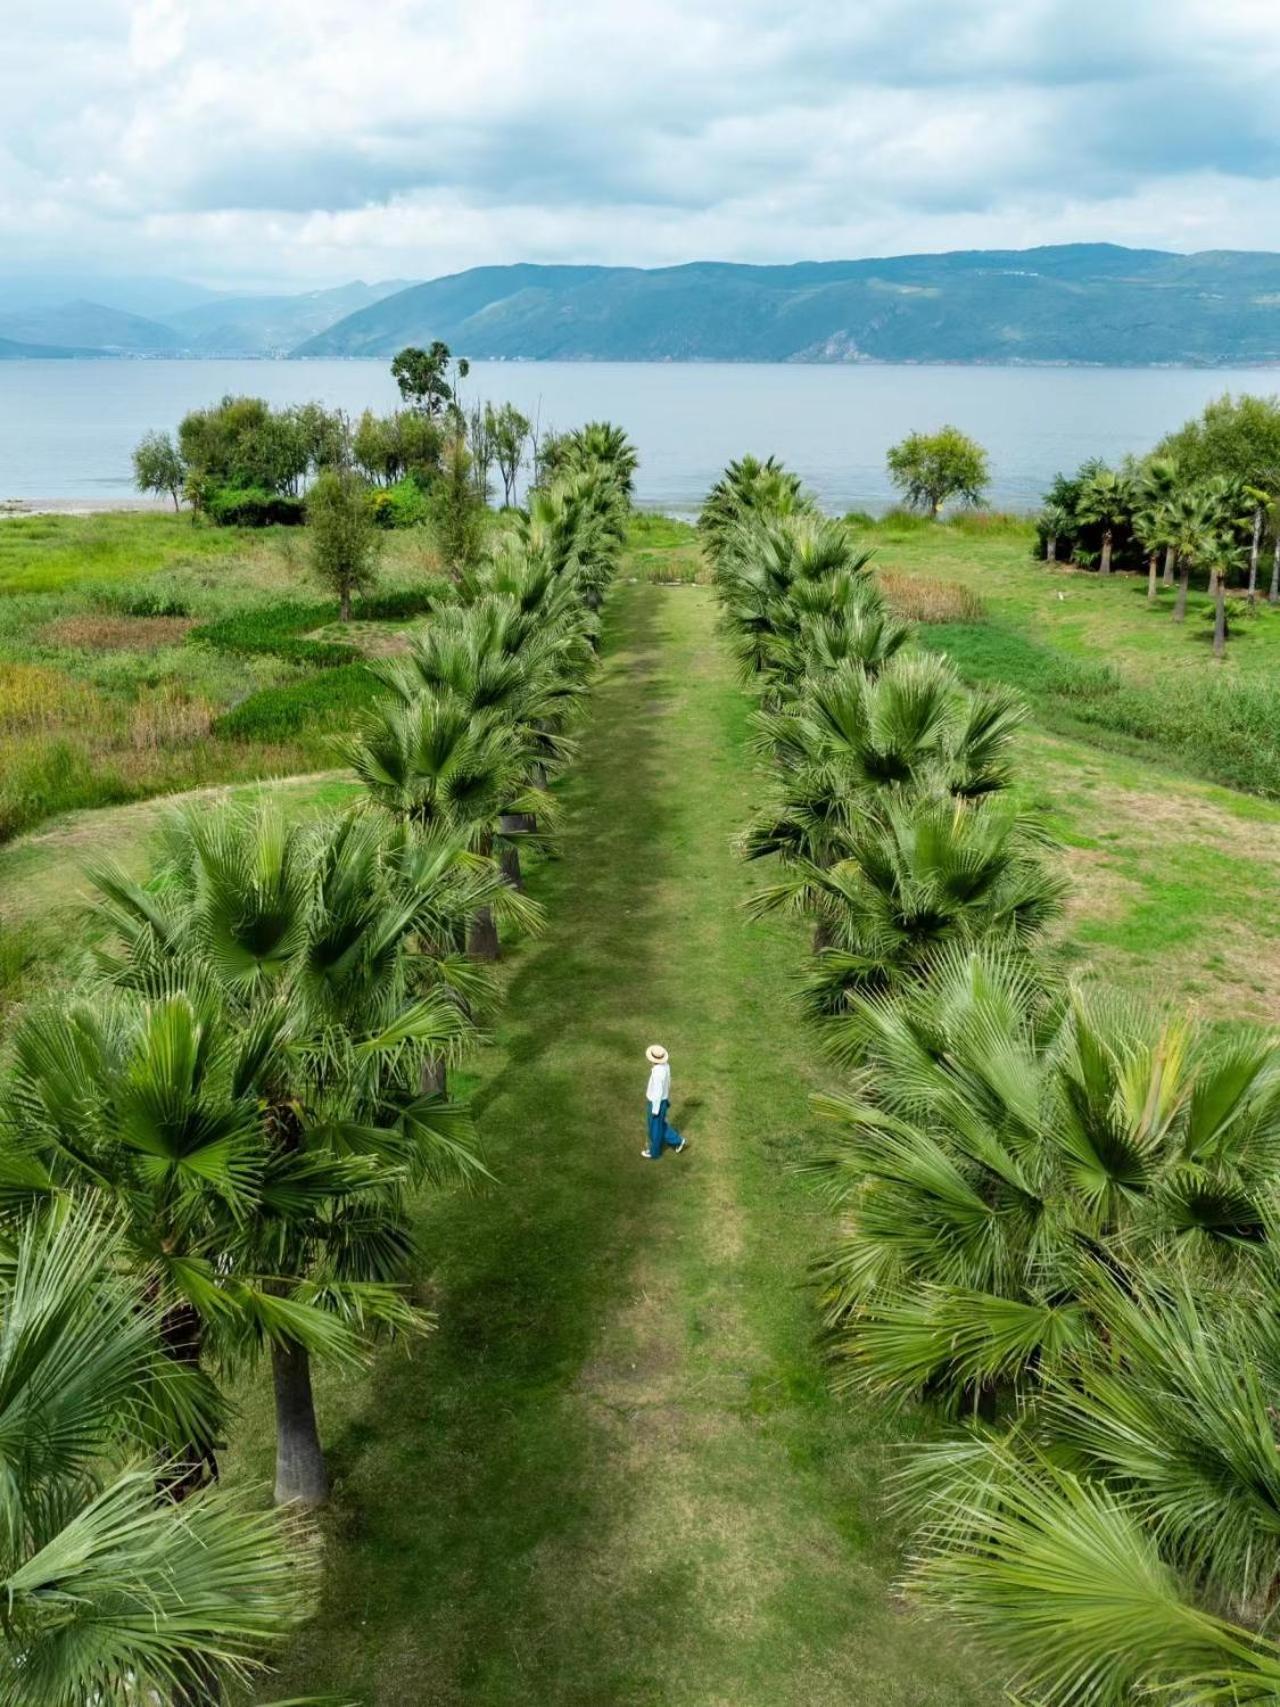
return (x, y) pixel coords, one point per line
(1155, 489)
(931, 468)
(1008, 1133)
(425, 378)
(243, 442)
(389, 448)
(509, 431)
(458, 509)
(111, 1593)
(147, 1099)
(158, 467)
(342, 535)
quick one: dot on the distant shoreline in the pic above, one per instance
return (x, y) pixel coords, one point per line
(77, 506)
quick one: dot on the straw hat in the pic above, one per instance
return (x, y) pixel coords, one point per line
(655, 1053)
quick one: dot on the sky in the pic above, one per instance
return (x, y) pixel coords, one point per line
(298, 143)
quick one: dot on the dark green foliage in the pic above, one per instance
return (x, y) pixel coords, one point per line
(278, 630)
(327, 700)
(253, 507)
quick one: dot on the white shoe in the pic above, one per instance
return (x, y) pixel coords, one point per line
(646, 1157)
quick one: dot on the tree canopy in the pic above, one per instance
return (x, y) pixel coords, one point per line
(930, 469)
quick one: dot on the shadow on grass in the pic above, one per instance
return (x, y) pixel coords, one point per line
(471, 1489)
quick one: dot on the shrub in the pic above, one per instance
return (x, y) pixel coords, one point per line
(253, 507)
(403, 505)
(325, 701)
(276, 629)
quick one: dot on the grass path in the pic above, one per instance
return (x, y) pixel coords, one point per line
(614, 1474)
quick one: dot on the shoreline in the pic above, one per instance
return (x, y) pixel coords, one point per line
(79, 506)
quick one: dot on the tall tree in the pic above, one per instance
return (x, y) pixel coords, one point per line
(428, 378)
(158, 467)
(343, 538)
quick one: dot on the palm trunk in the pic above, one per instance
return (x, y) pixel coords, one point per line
(194, 1463)
(1169, 555)
(301, 1477)
(1184, 581)
(1219, 616)
(1051, 548)
(1104, 568)
(1273, 597)
(344, 605)
(1152, 560)
(1254, 546)
(513, 824)
(482, 938)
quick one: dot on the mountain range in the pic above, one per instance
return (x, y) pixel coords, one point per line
(1068, 304)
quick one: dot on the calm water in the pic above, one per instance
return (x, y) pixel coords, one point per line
(67, 427)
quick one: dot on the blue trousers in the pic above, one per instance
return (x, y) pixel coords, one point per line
(660, 1134)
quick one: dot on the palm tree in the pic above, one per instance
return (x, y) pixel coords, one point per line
(919, 870)
(110, 1593)
(319, 935)
(1056, 523)
(495, 659)
(1153, 517)
(597, 445)
(1106, 500)
(1012, 1132)
(436, 766)
(750, 491)
(1191, 531)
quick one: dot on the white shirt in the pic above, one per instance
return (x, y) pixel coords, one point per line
(659, 1085)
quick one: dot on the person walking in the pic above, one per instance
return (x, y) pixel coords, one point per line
(657, 1102)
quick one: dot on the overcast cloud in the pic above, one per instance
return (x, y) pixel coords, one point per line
(299, 142)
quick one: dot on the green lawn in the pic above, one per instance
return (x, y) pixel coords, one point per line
(614, 1474)
(1076, 612)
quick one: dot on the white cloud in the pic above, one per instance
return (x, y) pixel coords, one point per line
(314, 141)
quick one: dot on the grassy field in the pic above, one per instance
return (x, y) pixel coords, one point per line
(140, 655)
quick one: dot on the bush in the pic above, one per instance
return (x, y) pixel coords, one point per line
(326, 701)
(403, 505)
(253, 507)
(859, 519)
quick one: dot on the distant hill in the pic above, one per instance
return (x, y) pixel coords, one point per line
(11, 351)
(199, 323)
(1075, 303)
(270, 325)
(88, 326)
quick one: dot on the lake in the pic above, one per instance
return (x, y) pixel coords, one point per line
(67, 427)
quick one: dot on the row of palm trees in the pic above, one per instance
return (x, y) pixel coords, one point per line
(210, 1148)
(1056, 1207)
(1213, 525)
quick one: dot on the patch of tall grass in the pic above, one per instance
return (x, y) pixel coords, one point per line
(1225, 729)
